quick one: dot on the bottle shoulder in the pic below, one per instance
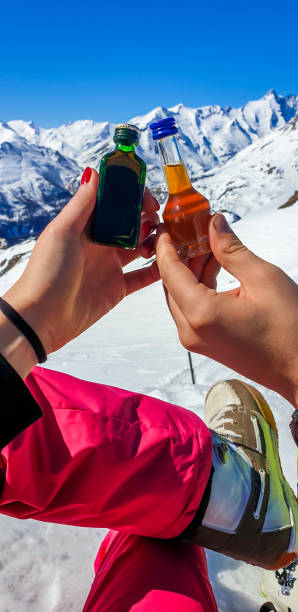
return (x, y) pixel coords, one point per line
(124, 159)
(107, 156)
(140, 160)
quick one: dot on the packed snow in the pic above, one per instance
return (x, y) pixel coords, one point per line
(48, 568)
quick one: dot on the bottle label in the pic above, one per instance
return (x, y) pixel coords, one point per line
(118, 208)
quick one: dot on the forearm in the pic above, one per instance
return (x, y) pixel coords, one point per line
(15, 348)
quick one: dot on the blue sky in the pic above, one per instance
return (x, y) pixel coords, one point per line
(62, 61)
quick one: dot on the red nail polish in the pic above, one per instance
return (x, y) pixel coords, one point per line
(86, 176)
(150, 253)
(149, 246)
(146, 229)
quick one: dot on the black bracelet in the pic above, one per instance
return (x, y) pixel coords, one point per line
(25, 329)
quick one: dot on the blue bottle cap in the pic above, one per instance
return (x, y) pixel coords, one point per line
(164, 127)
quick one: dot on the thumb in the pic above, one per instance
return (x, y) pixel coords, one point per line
(79, 209)
(230, 252)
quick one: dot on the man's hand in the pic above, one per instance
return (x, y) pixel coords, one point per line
(70, 282)
(252, 329)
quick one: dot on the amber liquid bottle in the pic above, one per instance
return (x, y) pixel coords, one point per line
(187, 213)
(120, 192)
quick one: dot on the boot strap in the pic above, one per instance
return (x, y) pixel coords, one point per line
(248, 542)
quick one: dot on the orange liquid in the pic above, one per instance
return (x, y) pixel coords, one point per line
(187, 213)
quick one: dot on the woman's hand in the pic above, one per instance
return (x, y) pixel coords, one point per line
(252, 329)
(70, 282)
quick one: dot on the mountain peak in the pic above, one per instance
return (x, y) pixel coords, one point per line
(177, 107)
(271, 93)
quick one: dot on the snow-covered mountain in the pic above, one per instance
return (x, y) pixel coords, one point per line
(209, 135)
(263, 174)
(35, 182)
(226, 151)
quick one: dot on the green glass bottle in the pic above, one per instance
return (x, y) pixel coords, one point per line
(122, 177)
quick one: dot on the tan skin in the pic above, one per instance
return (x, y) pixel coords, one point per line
(252, 329)
(70, 283)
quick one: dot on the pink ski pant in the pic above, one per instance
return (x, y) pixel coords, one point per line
(106, 457)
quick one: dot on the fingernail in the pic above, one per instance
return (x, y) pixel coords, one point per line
(86, 176)
(150, 253)
(147, 227)
(149, 246)
(221, 225)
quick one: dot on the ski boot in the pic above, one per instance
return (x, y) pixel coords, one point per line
(252, 512)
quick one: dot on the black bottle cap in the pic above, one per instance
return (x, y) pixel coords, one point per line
(127, 134)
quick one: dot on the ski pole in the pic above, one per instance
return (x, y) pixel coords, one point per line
(193, 380)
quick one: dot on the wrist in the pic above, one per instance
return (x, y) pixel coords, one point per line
(289, 390)
(15, 348)
(30, 312)
(293, 386)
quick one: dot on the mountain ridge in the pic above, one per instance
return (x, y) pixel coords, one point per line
(40, 168)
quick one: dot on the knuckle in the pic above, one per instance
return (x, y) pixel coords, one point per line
(186, 343)
(163, 252)
(186, 339)
(266, 273)
(203, 315)
(193, 317)
(191, 342)
(52, 230)
(55, 231)
(235, 246)
(270, 272)
(156, 219)
(149, 201)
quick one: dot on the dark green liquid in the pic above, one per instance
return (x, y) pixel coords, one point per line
(119, 200)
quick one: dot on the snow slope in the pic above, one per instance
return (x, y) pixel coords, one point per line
(48, 568)
(265, 174)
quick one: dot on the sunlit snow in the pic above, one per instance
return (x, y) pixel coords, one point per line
(49, 568)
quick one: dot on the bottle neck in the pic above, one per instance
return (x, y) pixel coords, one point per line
(173, 165)
(126, 148)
